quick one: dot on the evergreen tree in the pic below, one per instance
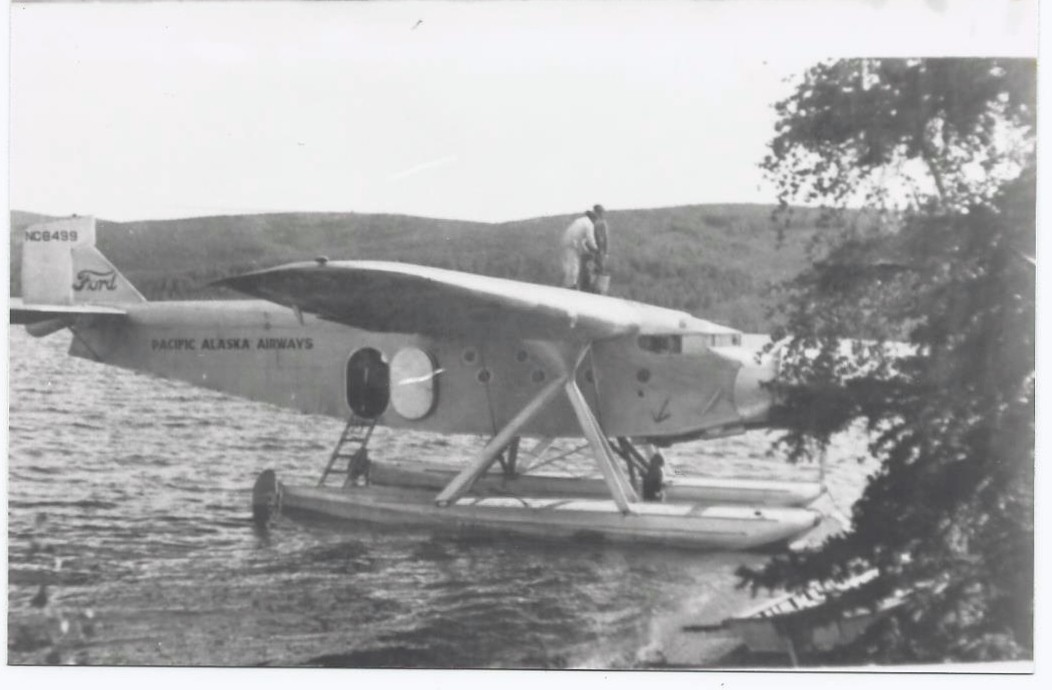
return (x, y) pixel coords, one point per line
(941, 153)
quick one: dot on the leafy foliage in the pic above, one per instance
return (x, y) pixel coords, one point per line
(947, 521)
(852, 129)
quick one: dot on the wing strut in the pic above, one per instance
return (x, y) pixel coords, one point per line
(470, 474)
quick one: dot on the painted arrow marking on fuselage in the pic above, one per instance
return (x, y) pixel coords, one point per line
(663, 413)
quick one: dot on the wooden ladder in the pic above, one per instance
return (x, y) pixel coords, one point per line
(357, 431)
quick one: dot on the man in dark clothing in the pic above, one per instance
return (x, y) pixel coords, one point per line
(600, 279)
(654, 479)
(358, 468)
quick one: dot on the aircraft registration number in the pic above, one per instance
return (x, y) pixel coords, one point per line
(51, 236)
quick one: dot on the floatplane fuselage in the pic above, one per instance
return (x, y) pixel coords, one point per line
(411, 347)
(262, 351)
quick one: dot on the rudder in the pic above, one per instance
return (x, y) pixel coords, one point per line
(61, 266)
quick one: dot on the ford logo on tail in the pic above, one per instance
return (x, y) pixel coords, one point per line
(95, 280)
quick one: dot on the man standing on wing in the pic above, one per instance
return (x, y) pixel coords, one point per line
(578, 244)
(599, 279)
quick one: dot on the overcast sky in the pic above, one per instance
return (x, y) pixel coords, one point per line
(461, 110)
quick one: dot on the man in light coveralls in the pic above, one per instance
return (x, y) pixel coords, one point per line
(578, 242)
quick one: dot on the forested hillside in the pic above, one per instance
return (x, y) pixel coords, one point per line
(713, 260)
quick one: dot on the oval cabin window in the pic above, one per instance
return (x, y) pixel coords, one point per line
(413, 383)
(368, 383)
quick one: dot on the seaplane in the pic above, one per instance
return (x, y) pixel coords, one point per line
(412, 347)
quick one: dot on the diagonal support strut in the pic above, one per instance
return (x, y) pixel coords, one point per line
(463, 482)
(620, 487)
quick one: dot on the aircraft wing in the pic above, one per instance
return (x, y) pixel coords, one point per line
(405, 298)
(22, 313)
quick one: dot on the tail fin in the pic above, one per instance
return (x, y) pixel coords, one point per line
(61, 266)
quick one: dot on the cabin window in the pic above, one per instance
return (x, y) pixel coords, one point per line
(697, 342)
(368, 383)
(661, 344)
(689, 344)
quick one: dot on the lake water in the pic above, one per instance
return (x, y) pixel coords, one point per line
(129, 497)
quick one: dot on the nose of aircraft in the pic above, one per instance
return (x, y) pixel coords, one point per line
(751, 398)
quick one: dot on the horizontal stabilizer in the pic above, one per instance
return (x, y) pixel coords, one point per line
(32, 313)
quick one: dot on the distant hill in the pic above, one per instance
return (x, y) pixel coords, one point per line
(711, 260)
